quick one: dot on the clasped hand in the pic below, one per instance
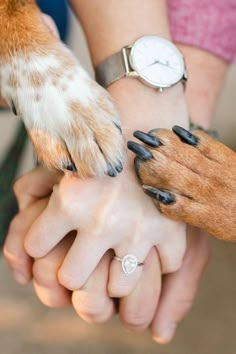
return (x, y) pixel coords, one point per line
(67, 242)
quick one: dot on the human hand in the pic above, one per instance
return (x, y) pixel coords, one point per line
(92, 302)
(162, 305)
(44, 181)
(32, 192)
(97, 219)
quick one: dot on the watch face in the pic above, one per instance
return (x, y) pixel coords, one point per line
(157, 61)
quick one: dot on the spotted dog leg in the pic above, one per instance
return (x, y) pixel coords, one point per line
(191, 178)
(72, 121)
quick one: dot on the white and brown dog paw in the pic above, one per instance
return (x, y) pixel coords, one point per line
(72, 121)
(191, 178)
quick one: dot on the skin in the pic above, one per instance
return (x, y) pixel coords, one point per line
(167, 304)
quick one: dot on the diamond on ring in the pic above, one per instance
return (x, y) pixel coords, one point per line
(129, 263)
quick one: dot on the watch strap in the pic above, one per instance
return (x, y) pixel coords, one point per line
(111, 69)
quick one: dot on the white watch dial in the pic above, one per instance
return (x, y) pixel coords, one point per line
(157, 61)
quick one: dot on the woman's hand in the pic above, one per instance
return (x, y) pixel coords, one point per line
(167, 304)
(106, 214)
(92, 301)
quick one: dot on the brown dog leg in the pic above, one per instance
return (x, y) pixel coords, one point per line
(191, 177)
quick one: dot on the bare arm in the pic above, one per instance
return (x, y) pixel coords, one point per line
(206, 79)
(109, 25)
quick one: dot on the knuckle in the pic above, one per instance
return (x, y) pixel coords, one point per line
(16, 224)
(12, 259)
(185, 304)
(52, 298)
(18, 186)
(68, 281)
(136, 320)
(90, 308)
(116, 290)
(172, 267)
(45, 273)
(12, 251)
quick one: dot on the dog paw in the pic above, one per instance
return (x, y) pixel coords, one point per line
(71, 120)
(191, 178)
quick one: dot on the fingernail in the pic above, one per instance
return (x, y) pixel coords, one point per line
(147, 139)
(185, 135)
(165, 334)
(140, 150)
(162, 196)
(19, 278)
(71, 167)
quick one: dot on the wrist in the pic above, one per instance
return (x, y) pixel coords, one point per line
(206, 72)
(144, 108)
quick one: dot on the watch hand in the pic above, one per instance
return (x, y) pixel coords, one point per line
(161, 63)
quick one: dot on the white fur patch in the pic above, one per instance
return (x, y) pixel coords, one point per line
(46, 105)
(51, 111)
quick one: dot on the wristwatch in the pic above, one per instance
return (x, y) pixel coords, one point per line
(154, 60)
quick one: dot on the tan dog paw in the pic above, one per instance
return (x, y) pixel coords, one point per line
(191, 178)
(72, 121)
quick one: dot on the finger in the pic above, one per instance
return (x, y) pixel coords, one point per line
(48, 230)
(36, 184)
(179, 289)
(45, 270)
(124, 273)
(17, 258)
(92, 302)
(137, 309)
(82, 259)
(172, 251)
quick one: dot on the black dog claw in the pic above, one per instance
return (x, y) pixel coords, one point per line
(119, 167)
(118, 127)
(13, 107)
(162, 196)
(185, 135)
(111, 171)
(71, 167)
(147, 138)
(140, 150)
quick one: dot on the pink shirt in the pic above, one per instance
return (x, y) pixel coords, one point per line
(208, 24)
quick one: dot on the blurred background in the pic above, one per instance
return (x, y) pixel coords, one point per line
(28, 327)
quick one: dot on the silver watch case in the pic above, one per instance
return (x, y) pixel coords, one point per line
(131, 70)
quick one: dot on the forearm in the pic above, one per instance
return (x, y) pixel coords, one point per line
(115, 24)
(110, 24)
(206, 79)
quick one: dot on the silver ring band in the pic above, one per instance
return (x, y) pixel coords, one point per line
(129, 263)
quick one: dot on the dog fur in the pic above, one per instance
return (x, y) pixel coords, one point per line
(71, 120)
